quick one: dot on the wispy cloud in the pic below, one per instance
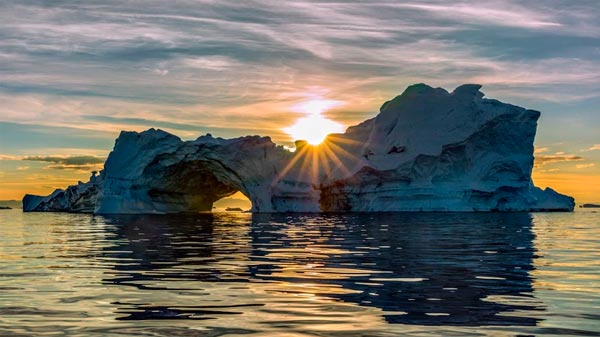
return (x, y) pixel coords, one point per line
(501, 13)
(252, 43)
(541, 160)
(74, 160)
(69, 162)
(548, 170)
(9, 157)
(583, 166)
(233, 66)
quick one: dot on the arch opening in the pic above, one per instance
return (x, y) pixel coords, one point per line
(194, 186)
(236, 202)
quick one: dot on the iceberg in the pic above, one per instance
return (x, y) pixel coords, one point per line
(427, 150)
(80, 198)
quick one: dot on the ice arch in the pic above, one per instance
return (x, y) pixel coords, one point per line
(156, 172)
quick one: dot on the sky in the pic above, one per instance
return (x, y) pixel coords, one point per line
(75, 73)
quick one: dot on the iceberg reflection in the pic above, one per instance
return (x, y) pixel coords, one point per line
(413, 268)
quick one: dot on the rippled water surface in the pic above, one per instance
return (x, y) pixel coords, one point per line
(514, 274)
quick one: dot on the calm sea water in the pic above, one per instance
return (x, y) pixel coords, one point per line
(513, 274)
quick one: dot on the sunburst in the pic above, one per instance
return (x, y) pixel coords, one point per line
(322, 163)
(325, 154)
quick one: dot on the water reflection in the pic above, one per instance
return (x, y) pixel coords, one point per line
(149, 245)
(426, 269)
(176, 253)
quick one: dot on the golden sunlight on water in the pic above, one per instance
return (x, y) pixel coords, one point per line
(299, 275)
(567, 272)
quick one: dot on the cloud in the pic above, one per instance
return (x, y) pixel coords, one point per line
(216, 63)
(10, 157)
(231, 64)
(191, 128)
(547, 159)
(22, 168)
(582, 166)
(548, 170)
(595, 147)
(496, 13)
(72, 160)
(78, 163)
(118, 42)
(37, 138)
(81, 168)
(540, 150)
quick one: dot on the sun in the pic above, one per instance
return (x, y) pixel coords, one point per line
(314, 128)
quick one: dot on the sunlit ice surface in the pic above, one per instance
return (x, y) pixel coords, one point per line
(314, 128)
(224, 274)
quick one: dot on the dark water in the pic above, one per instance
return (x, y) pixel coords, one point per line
(514, 274)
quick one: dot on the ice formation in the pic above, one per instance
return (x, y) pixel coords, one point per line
(427, 150)
(80, 198)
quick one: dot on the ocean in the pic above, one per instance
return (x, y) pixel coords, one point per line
(239, 274)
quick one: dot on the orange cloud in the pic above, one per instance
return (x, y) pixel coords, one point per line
(558, 157)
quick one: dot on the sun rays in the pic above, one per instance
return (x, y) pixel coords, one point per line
(322, 153)
(326, 162)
